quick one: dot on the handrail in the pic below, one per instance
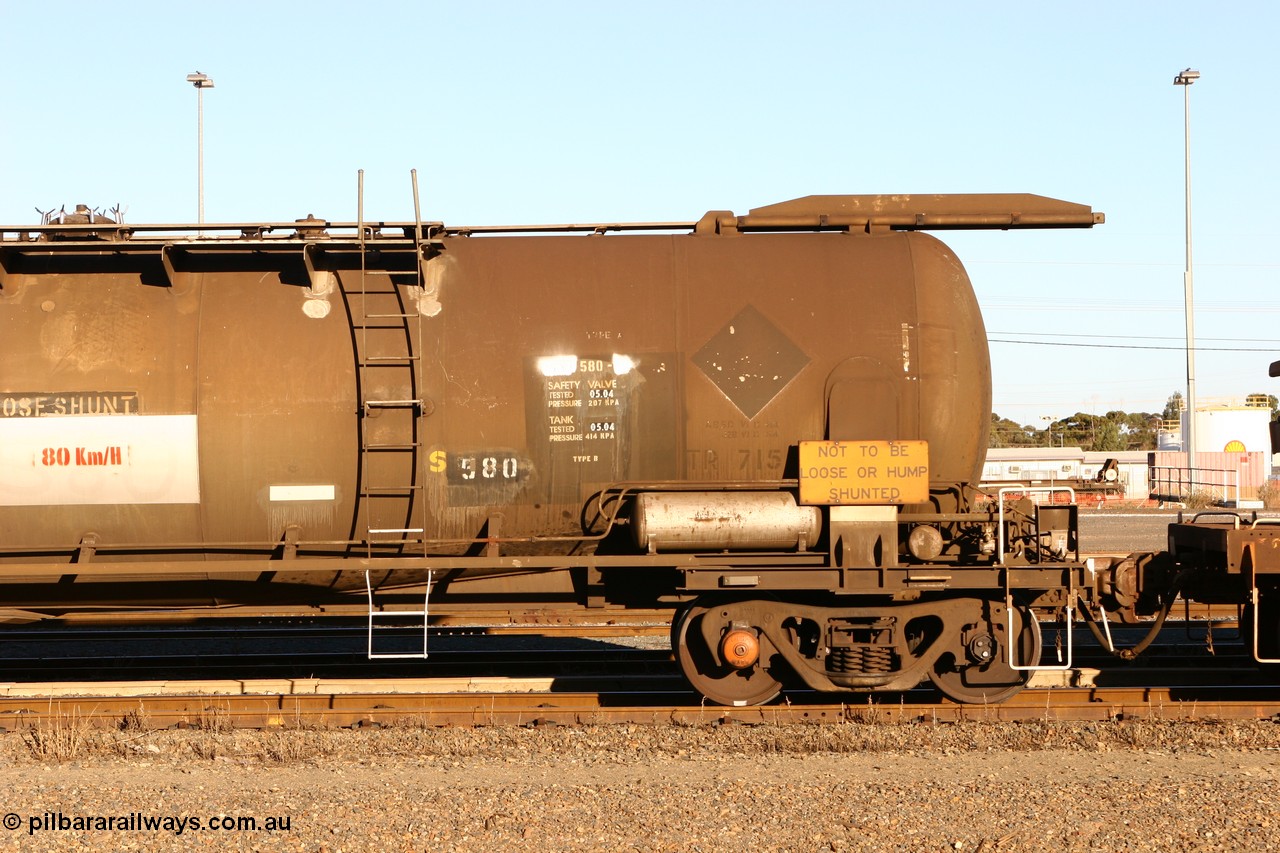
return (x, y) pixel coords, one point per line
(1235, 517)
(1008, 593)
(1257, 626)
(1036, 667)
(1022, 490)
(1228, 483)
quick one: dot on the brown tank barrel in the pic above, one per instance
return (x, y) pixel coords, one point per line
(245, 388)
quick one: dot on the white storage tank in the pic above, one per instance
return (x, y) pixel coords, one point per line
(1231, 429)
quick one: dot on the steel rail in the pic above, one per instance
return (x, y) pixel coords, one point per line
(364, 709)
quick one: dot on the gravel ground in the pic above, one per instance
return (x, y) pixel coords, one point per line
(1123, 530)
(1132, 785)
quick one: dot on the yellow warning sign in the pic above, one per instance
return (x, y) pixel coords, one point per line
(862, 473)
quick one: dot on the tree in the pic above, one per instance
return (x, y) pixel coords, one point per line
(1108, 436)
(1007, 433)
(1173, 408)
(1112, 432)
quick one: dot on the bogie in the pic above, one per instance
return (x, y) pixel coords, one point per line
(960, 644)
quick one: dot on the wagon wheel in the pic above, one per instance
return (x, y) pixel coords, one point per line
(719, 682)
(677, 617)
(972, 682)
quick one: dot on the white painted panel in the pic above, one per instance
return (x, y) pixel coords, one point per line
(130, 459)
(302, 493)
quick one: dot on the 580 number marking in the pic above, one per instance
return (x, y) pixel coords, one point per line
(474, 468)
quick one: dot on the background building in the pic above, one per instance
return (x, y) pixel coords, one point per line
(1071, 466)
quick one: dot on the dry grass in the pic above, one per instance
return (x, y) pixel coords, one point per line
(136, 721)
(207, 739)
(1201, 499)
(62, 737)
(1269, 494)
(293, 746)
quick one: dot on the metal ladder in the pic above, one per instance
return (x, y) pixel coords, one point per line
(401, 619)
(388, 327)
(387, 324)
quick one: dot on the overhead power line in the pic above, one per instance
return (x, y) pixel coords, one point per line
(1132, 337)
(1129, 346)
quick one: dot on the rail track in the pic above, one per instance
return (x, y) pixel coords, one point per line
(605, 651)
(365, 705)
(565, 680)
(330, 652)
(268, 675)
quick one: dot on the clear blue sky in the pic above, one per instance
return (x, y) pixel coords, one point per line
(560, 111)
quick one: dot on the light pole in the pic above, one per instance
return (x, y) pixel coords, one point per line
(201, 82)
(1185, 79)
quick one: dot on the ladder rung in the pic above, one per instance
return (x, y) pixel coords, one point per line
(396, 530)
(392, 404)
(413, 446)
(379, 359)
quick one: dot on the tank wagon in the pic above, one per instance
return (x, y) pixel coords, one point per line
(769, 425)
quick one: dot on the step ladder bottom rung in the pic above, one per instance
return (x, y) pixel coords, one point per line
(392, 404)
(419, 656)
(396, 530)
